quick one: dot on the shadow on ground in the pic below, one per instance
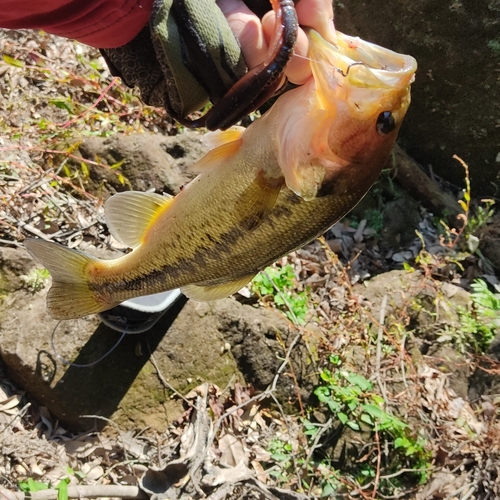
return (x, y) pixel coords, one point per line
(113, 376)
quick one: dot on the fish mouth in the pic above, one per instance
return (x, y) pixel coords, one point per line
(363, 64)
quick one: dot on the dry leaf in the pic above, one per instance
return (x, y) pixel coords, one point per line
(232, 451)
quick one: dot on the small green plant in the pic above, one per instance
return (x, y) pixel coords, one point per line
(494, 46)
(62, 489)
(31, 486)
(36, 279)
(487, 303)
(479, 323)
(280, 284)
(281, 453)
(350, 398)
(321, 475)
(470, 222)
(65, 104)
(374, 219)
(481, 216)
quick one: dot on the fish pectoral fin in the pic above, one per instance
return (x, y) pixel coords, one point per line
(257, 200)
(215, 156)
(219, 137)
(129, 214)
(202, 293)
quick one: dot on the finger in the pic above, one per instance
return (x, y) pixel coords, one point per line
(298, 69)
(247, 28)
(316, 14)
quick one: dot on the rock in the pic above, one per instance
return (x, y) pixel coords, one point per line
(124, 386)
(489, 241)
(259, 338)
(13, 265)
(402, 288)
(448, 360)
(401, 217)
(189, 345)
(430, 307)
(397, 285)
(455, 105)
(485, 381)
(150, 161)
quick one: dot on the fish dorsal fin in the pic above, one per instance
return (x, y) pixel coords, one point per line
(257, 200)
(129, 214)
(215, 156)
(213, 292)
(219, 137)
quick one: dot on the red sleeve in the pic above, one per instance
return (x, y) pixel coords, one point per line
(100, 23)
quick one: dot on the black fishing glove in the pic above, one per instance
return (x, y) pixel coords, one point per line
(186, 56)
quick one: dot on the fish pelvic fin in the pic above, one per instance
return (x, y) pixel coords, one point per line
(131, 213)
(202, 293)
(221, 153)
(257, 200)
(70, 295)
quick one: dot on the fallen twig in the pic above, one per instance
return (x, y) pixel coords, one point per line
(423, 188)
(164, 381)
(379, 347)
(94, 491)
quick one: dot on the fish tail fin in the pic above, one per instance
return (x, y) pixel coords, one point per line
(70, 295)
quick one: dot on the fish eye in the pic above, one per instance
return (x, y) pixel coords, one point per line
(385, 123)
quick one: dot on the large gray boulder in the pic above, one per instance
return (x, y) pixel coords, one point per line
(145, 161)
(455, 99)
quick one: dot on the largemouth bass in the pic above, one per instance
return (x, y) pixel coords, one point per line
(262, 192)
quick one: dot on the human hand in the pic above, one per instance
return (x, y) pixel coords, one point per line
(162, 67)
(255, 35)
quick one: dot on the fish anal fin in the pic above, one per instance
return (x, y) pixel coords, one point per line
(257, 200)
(129, 214)
(219, 137)
(215, 156)
(202, 293)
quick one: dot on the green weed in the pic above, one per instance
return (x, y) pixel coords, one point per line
(479, 323)
(471, 221)
(350, 401)
(31, 486)
(350, 398)
(319, 477)
(494, 46)
(36, 279)
(481, 216)
(487, 302)
(280, 284)
(374, 219)
(281, 453)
